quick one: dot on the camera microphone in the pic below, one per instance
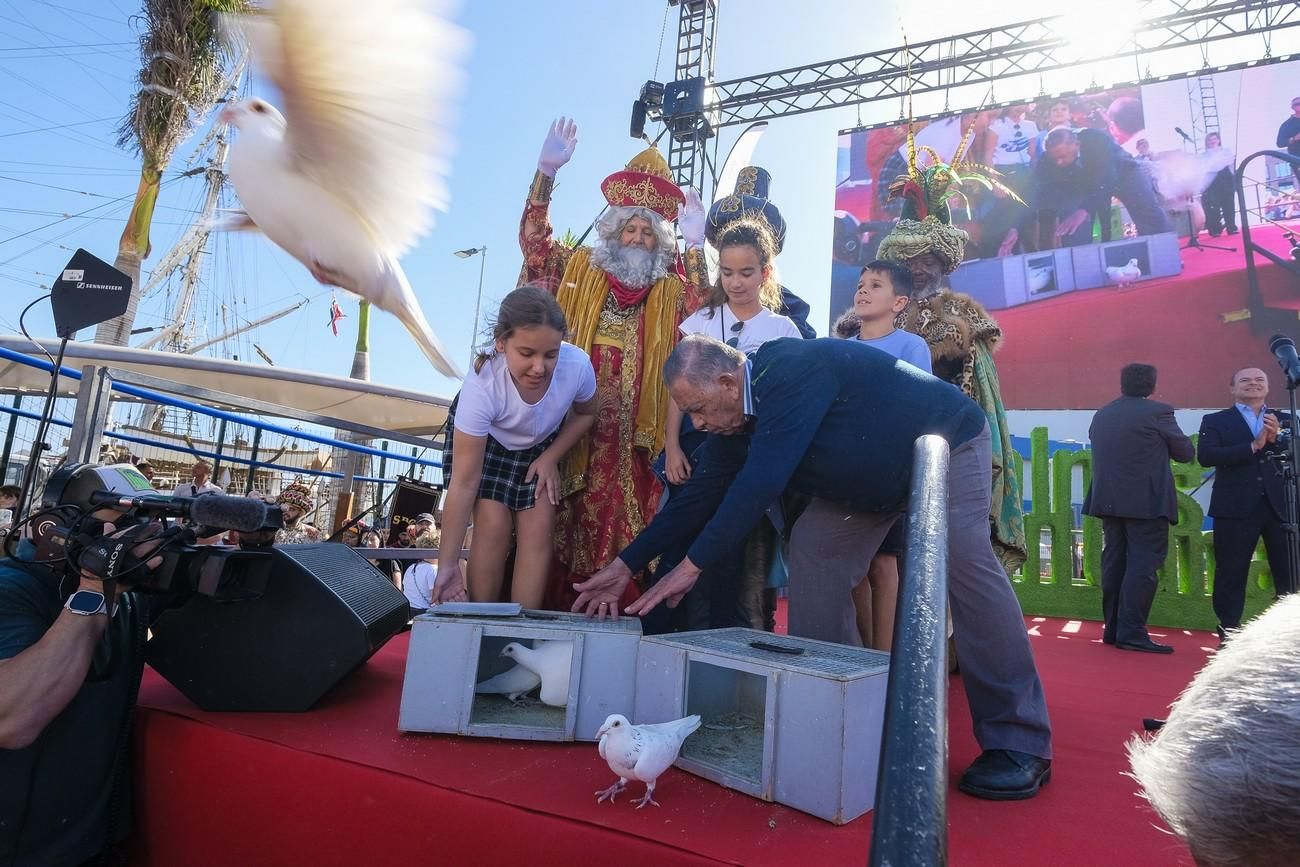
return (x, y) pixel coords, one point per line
(219, 511)
(1283, 349)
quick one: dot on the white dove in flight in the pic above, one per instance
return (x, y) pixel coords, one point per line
(550, 661)
(346, 178)
(640, 752)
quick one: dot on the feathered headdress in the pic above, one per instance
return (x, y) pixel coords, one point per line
(925, 190)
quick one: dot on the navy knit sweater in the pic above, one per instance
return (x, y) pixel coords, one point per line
(835, 419)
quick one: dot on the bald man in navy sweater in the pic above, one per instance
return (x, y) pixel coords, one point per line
(837, 420)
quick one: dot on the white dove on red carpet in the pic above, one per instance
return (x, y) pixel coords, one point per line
(640, 752)
(345, 180)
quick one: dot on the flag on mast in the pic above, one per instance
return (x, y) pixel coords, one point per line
(336, 313)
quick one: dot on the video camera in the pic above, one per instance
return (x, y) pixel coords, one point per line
(65, 525)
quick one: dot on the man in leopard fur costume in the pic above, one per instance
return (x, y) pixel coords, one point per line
(962, 338)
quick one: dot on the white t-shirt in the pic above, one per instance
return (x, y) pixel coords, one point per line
(717, 322)
(490, 403)
(417, 584)
(189, 489)
(1014, 137)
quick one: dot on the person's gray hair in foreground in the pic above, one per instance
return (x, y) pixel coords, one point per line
(1224, 772)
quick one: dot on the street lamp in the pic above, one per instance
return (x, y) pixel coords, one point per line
(478, 299)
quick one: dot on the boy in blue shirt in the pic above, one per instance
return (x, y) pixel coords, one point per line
(884, 288)
(883, 291)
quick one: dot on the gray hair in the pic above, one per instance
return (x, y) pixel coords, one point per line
(611, 223)
(1224, 772)
(1060, 135)
(700, 360)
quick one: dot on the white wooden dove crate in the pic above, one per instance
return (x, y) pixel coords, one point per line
(449, 655)
(785, 719)
(1010, 281)
(1157, 256)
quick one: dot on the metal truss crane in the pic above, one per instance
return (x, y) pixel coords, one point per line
(694, 107)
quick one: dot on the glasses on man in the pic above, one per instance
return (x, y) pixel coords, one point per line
(734, 340)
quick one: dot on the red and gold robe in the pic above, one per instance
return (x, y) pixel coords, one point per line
(609, 491)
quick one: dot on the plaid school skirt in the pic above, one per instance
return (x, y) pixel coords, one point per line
(503, 469)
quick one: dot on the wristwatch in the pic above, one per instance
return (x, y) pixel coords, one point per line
(87, 603)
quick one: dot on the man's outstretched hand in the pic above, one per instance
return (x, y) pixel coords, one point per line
(670, 588)
(599, 595)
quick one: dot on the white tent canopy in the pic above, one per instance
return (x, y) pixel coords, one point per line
(348, 400)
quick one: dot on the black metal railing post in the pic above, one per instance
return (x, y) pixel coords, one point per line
(1255, 298)
(910, 826)
(9, 440)
(252, 460)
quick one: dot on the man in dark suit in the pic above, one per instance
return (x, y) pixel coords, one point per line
(837, 420)
(1248, 500)
(1133, 440)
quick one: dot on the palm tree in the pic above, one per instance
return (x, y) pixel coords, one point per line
(361, 356)
(182, 59)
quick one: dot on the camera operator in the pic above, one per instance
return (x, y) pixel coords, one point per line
(1248, 500)
(71, 656)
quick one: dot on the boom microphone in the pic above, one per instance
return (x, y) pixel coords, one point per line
(1179, 130)
(1283, 349)
(219, 511)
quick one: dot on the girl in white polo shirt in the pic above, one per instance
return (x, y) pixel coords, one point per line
(525, 405)
(740, 311)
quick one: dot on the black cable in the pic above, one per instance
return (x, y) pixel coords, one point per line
(22, 326)
(15, 535)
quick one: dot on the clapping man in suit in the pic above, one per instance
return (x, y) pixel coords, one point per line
(1133, 440)
(1248, 500)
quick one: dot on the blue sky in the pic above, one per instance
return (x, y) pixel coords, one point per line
(529, 63)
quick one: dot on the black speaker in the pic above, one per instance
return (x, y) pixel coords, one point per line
(637, 127)
(279, 636)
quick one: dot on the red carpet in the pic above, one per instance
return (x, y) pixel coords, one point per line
(341, 786)
(1066, 353)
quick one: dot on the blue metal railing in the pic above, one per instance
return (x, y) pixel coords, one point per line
(204, 453)
(179, 403)
(910, 826)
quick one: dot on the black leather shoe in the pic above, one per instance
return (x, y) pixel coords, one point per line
(1006, 775)
(1146, 646)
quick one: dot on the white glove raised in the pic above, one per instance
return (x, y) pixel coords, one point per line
(690, 219)
(561, 140)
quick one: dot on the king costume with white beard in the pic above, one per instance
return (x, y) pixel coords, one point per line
(623, 303)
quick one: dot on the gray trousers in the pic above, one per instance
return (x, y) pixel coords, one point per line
(831, 548)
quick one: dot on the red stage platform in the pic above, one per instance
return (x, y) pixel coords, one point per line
(340, 785)
(1066, 353)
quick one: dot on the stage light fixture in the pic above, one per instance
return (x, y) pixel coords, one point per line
(652, 94)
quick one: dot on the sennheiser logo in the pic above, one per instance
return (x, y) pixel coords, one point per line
(110, 287)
